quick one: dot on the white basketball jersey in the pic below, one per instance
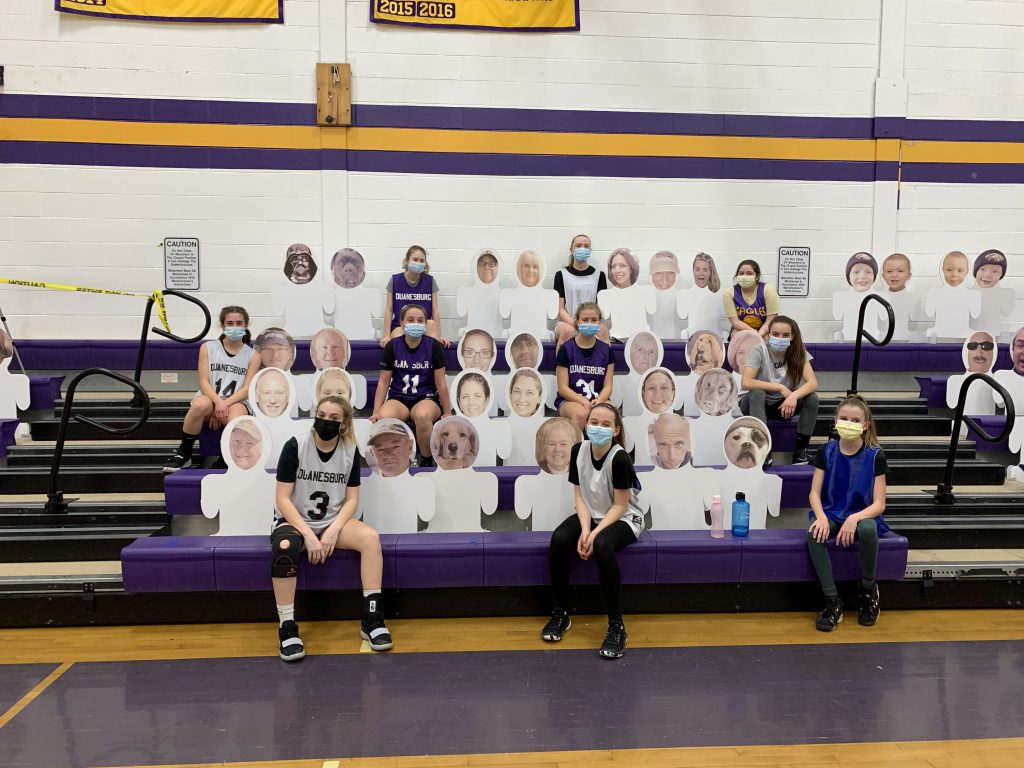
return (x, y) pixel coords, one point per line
(320, 486)
(227, 372)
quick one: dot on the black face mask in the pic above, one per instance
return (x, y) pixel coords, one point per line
(326, 429)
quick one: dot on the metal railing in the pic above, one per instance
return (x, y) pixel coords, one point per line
(863, 334)
(136, 400)
(55, 501)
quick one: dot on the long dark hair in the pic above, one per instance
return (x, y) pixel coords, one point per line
(235, 310)
(748, 263)
(619, 439)
(796, 355)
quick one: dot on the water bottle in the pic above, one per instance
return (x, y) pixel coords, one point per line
(717, 514)
(740, 515)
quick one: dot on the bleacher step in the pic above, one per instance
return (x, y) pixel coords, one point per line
(93, 479)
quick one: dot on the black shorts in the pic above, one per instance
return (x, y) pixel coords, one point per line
(409, 402)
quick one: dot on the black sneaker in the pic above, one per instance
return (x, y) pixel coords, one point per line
(176, 462)
(375, 633)
(291, 646)
(557, 626)
(868, 607)
(426, 461)
(767, 463)
(803, 456)
(614, 644)
(831, 615)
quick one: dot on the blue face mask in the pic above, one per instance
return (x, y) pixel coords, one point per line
(599, 435)
(777, 344)
(235, 333)
(590, 329)
(417, 267)
(416, 330)
(581, 254)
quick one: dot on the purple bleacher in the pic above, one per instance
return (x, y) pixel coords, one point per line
(781, 555)
(933, 390)
(7, 429)
(693, 557)
(993, 425)
(638, 563)
(440, 559)
(242, 563)
(516, 558)
(44, 391)
(209, 441)
(170, 564)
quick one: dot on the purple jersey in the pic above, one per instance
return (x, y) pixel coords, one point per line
(402, 293)
(751, 314)
(412, 370)
(587, 368)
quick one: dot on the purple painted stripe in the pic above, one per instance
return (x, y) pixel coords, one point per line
(279, 19)
(964, 173)
(965, 130)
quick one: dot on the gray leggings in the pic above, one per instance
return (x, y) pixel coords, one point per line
(866, 537)
(755, 403)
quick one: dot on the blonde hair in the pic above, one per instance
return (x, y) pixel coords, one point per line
(582, 307)
(554, 423)
(408, 257)
(870, 433)
(348, 436)
(332, 374)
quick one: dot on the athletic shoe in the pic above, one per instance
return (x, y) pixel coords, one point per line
(291, 645)
(176, 462)
(767, 463)
(831, 615)
(375, 633)
(868, 606)
(426, 461)
(614, 644)
(803, 456)
(557, 626)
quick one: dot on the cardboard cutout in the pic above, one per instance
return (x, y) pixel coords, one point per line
(658, 394)
(353, 303)
(747, 444)
(524, 350)
(301, 299)
(1013, 381)
(460, 492)
(478, 302)
(739, 348)
(329, 348)
(625, 304)
(476, 350)
(643, 351)
(526, 394)
(243, 497)
(338, 381)
(276, 349)
(473, 396)
(548, 498)
(896, 275)
(272, 397)
(979, 356)
(996, 301)
(676, 493)
(529, 305)
(664, 271)
(701, 309)
(952, 304)
(716, 395)
(861, 273)
(15, 388)
(394, 501)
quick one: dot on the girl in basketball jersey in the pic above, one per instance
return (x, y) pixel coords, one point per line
(317, 496)
(608, 518)
(413, 285)
(584, 367)
(412, 383)
(752, 303)
(226, 366)
(847, 501)
(575, 283)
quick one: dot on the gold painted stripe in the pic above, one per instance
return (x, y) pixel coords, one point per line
(962, 753)
(31, 696)
(963, 152)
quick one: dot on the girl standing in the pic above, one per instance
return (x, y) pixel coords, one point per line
(607, 518)
(584, 367)
(847, 501)
(413, 285)
(226, 366)
(752, 304)
(576, 282)
(317, 495)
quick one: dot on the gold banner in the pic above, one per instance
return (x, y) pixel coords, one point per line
(263, 11)
(517, 15)
(156, 296)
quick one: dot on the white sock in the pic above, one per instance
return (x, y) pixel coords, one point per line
(368, 592)
(286, 613)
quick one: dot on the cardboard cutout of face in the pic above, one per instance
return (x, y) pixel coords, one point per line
(644, 351)
(329, 348)
(669, 441)
(525, 392)
(523, 351)
(486, 267)
(474, 391)
(477, 350)
(454, 443)
(954, 269)
(664, 269)
(348, 268)
(740, 346)
(272, 392)
(390, 448)
(276, 349)
(704, 351)
(554, 443)
(299, 266)
(989, 268)
(896, 272)
(245, 444)
(716, 392)
(703, 269)
(747, 443)
(1017, 352)
(623, 268)
(530, 269)
(332, 381)
(979, 352)
(656, 390)
(6, 346)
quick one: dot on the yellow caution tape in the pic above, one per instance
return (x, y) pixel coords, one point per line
(156, 296)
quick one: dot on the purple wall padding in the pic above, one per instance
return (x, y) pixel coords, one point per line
(993, 425)
(44, 391)
(933, 390)
(7, 429)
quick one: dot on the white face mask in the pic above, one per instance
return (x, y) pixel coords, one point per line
(746, 281)
(849, 429)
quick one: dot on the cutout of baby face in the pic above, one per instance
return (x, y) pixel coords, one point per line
(525, 351)
(979, 352)
(329, 348)
(669, 444)
(658, 390)
(525, 392)
(862, 277)
(896, 272)
(747, 443)
(336, 382)
(989, 276)
(716, 392)
(477, 351)
(272, 393)
(487, 268)
(705, 351)
(555, 439)
(245, 448)
(644, 353)
(473, 395)
(529, 269)
(954, 269)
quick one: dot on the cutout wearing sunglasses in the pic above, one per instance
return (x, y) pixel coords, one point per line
(986, 346)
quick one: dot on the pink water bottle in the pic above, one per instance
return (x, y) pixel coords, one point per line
(717, 531)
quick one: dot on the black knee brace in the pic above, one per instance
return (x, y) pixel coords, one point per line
(284, 564)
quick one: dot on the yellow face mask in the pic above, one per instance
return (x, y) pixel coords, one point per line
(849, 429)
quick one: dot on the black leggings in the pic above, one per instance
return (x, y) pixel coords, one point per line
(563, 546)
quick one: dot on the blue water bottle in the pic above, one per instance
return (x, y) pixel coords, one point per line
(740, 515)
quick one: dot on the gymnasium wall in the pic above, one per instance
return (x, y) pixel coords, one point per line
(732, 127)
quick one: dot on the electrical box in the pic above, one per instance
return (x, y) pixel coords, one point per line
(333, 94)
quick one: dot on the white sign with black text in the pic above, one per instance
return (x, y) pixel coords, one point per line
(794, 271)
(181, 263)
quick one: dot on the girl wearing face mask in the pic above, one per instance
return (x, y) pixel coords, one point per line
(847, 501)
(317, 496)
(413, 285)
(226, 367)
(780, 383)
(608, 518)
(576, 282)
(412, 383)
(584, 367)
(752, 304)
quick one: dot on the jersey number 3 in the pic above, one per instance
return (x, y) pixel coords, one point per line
(322, 501)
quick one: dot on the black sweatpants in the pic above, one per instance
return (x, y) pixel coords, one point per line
(563, 548)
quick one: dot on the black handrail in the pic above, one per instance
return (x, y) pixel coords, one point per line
(862, 334)
(944, 493)
(55, 502)
(136, 401)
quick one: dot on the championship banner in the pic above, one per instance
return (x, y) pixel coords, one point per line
(254, 11)
(497, 15)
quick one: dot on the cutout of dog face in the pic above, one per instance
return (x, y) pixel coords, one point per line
(525, 394)
(348, 268)
(656, 390)
(477, 350)
(554, 442)
(704, 351)
(747, 443)
(669, 441)
(390, 448)
(299, 266)
(272, 392)
(245, 443)
(644, 351)
(523, 351)
(454, 443)
(716, 392)
(979, 352)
